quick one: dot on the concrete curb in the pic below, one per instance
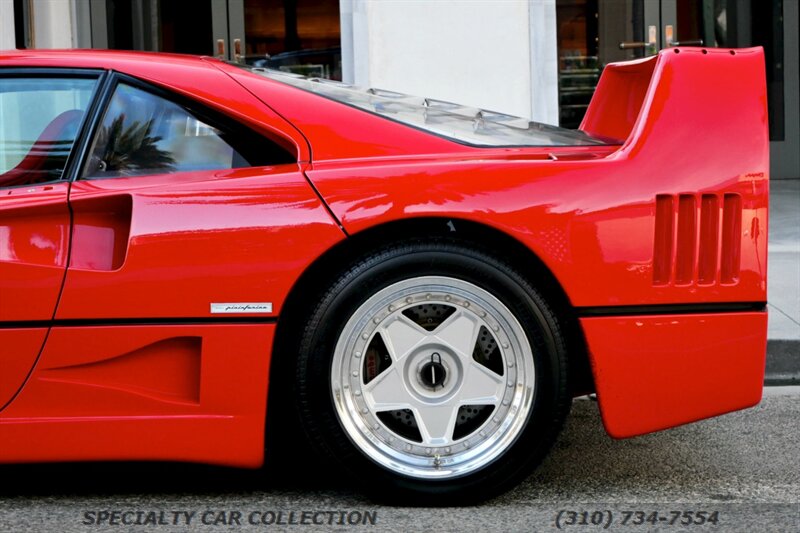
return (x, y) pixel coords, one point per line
(783, 362)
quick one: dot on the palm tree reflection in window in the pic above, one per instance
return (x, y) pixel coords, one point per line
(122, 150)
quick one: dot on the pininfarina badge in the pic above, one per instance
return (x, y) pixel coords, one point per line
(242, 307)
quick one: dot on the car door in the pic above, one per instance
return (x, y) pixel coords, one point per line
(41, 116)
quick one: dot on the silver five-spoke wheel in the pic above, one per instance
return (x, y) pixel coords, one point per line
(432, 377)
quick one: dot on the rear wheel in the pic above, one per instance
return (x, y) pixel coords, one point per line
(434, 373)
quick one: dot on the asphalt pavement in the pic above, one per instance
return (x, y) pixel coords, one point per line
(738, 472)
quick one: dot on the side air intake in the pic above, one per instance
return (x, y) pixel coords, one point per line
(697, 239)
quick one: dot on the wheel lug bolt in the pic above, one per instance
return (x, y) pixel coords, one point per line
(496, 328)
(408, 447)
(505, 345)
(358, 354)
(447, 450)
(355, 373)
(391, 308)
(364, 411)
(506, 402)
(358, 393)
(409, 300)
(365, 336)
(427, 296)
(510, 364)
(428, 451)
(447, 298)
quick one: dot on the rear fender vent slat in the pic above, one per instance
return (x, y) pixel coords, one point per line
(731, 238)
(687, 240)
(662, 263)
(709, 240)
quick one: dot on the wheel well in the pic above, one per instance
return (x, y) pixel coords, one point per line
(318, 276)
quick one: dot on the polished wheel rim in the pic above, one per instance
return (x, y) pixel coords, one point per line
(433, 377)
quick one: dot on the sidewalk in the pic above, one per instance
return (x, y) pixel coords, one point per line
(783, 284)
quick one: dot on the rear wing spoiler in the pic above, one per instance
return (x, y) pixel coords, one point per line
(707, 102)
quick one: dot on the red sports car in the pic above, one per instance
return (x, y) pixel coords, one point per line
(193, 255)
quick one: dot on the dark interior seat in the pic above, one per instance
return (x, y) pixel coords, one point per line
(47, 157)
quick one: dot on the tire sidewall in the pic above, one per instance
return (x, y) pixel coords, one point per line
(403, 262)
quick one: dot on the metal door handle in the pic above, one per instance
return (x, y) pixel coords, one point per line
(220, 48)
(237, 50)
(698, 42)
(632, 44)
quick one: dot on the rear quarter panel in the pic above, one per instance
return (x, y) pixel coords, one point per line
(676, 216)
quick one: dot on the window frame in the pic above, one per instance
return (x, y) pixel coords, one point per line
(213, 118)
(75, 158)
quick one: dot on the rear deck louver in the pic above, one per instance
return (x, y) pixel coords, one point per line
(697, 239)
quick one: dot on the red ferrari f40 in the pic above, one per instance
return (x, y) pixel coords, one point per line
(199, 259)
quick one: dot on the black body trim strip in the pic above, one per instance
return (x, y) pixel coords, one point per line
(44, 72)
(672, 309)
(88, 322)
(583, 312)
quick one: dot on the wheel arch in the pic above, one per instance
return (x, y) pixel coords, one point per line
(319, 274)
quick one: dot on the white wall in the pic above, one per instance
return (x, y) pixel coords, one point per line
(53, 24)
(7, 40)
(498, 55)
(544, 61)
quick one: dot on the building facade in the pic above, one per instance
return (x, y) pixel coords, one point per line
(534, 58)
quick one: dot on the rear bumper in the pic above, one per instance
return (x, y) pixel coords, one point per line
(653, 372)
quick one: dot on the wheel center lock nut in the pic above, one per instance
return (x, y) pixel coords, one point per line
(433, 373)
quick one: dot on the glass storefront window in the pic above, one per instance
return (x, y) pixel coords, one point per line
(300, 36)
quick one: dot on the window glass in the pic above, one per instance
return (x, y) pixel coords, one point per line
(39, 120)
(469, 125)
(142, 133)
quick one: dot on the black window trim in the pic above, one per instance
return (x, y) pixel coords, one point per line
(213, 118)
(75, 157)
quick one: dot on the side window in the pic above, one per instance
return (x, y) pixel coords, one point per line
(39, 120)
(143, 133)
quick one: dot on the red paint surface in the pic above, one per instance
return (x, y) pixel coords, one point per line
(112, 393)
(656, 372)
(34, 241)
(19, 348)
(619, 96)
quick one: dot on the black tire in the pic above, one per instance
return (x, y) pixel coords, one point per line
(417, 266)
